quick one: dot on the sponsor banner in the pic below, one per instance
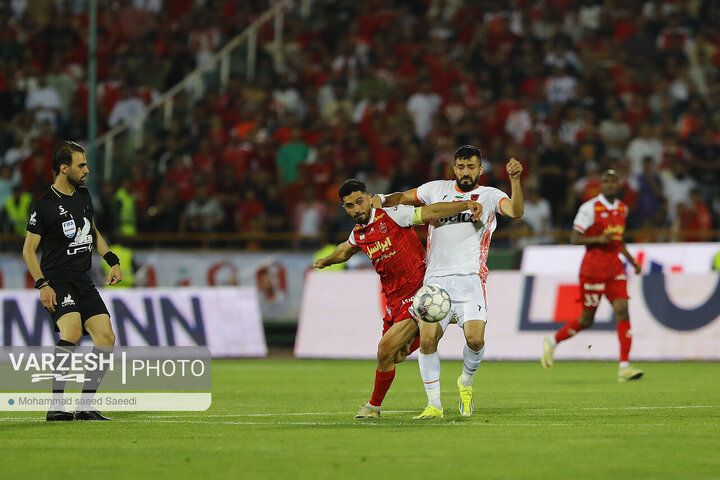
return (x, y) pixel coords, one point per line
(673, 317)
(225, 319)
(278, 277)
(653, 257)
(341, 315)
(115, 401)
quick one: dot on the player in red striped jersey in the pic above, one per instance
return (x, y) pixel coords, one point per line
(599, 225)
(387, 237)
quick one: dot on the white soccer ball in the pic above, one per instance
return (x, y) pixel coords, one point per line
(431, 303)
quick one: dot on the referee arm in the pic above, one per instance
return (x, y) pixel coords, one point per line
(115, 275)
(47, 294)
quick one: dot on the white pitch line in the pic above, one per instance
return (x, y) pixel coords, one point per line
(289, 414)
(380, 423)
(427, 423)
(648, 408)
(292, 414)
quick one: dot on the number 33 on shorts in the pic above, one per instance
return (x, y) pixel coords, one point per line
(591, 300)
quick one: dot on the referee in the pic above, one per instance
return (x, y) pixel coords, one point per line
(61, 224)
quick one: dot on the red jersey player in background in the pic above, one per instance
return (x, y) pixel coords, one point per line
(387, 237)
(599, 225)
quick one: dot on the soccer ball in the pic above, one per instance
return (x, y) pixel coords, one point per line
(431, 303)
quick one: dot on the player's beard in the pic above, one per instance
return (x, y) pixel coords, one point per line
(467, 183)
(363, 217)
(77, 182)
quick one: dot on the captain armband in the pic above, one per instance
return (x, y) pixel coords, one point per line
(111, 259)
(417, 216)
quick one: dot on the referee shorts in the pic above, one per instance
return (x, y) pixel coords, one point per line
(77, 294)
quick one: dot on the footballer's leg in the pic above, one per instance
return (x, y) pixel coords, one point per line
(407, 349)
(100, 330)
(570, 329)
(591, 292)
(625, 370)
(473, 352)
(429, 363)
(390, 349)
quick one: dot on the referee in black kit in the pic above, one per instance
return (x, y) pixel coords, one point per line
(61, 224)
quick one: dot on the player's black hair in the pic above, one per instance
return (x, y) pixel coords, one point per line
(350, 186)
(62, 154)
(466, 152)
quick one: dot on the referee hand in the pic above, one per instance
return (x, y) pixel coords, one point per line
(115, 276)
(48, 298)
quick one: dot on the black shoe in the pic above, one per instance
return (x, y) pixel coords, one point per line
(90, 415)
(59, 416)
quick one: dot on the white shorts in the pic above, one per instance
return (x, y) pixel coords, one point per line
(467, 293)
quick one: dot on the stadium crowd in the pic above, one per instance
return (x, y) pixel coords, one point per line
(383, 91)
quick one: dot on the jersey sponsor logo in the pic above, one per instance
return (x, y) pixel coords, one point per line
(83, 240)
(33, 218)
(62, 210)
(385, 257)
(379, 246)
(67, 301)
(616, 229)
(457, 218)
(69, 228)
(382, 228)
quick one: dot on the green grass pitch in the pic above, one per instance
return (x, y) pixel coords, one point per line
(293, 419)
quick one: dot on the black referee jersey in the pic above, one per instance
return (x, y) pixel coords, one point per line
(65, 224)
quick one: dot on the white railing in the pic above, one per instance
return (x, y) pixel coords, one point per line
(194, 83)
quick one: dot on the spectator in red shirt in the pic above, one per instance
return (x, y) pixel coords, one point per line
(695, 219)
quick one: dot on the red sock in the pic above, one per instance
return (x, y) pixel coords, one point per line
(383, 380)
(568, 330)
(625, 337)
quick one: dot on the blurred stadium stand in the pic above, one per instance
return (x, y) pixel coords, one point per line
(230, 124)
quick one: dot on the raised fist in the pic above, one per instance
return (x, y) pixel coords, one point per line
(514, 169)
